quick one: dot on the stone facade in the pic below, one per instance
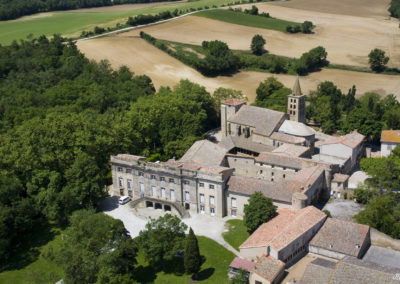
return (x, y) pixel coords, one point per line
(197, 188)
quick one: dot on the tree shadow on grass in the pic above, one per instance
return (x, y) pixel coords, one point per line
(203, 274)
(145, 274)
(27, 248)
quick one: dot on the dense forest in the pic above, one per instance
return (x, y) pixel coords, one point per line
(62, 116)
(394, 8)
(12, 9)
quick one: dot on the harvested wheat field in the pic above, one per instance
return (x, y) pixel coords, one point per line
(347, 39)
(164, 70)
(362, 8)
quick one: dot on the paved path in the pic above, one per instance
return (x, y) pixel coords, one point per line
(135, 220)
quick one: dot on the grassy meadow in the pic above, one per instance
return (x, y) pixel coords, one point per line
(72, 23)
(246, 19)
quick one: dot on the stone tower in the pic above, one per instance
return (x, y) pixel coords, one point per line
(229, 108)
(297, 104)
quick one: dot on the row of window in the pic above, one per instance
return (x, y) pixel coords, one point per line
(294, 254)
(170, 180)
(202, 199)
(293, 112)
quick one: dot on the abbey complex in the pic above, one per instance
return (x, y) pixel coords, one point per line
(258, 150)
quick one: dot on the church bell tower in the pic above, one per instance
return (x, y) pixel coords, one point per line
(297, 104)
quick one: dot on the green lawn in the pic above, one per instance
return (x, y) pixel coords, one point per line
(246, 19)
(27, 265)
(237, 233)
(68, 23)
(213, 270)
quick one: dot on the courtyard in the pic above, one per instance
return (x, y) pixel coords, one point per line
(135, 220)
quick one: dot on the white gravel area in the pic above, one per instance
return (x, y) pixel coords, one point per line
(135, 220)
(343, 209)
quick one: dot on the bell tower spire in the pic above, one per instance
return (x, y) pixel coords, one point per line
(297, 103)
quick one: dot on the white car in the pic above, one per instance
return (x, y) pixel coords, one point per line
(124, 199)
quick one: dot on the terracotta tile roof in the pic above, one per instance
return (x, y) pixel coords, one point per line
(233, 102)
(340, 178)
(348, 271)
(268, 268)
(279, 160)
(307, 177)
(247, 186)
(284, 228)
(391, 136)
(351, 140)
(240, 263)
(353, 270)
(264, 120)
(318, 271)
(205, 152)
(341, 236)
(286, 138)
(290, 150)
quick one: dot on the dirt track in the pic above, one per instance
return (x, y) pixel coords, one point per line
(143, 58)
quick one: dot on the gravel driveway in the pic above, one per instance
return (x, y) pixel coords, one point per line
(135, 220)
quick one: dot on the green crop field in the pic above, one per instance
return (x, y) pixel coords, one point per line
(70, 22)
(246, 19)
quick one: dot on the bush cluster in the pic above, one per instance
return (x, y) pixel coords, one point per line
(306, 28)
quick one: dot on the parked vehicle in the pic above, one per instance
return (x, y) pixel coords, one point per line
(124, 199)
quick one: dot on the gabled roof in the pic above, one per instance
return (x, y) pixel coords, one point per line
(287, 226)
(264, 120)
(233, 102)
(268, 268)
(318, 271)
(231, 142)
(354, 270)
(247, 186)
(286, 138)
(390, 136)
(341, 236)
(279, 160)
(351, 140)
(348, 271)
(241, 263)
(205, 152)
(291, 150)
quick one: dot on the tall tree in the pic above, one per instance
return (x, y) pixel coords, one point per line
(162, 239)
(377, 59)
(192, 258)
(259, 210)
(257, 44)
